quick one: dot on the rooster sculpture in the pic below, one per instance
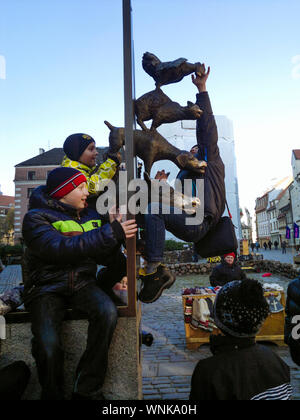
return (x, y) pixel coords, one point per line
(168, 72)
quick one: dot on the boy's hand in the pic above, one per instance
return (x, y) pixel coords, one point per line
(200, 80)
(129, 227)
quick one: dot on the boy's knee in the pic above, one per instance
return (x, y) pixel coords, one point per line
(47, 345)
(107, 312)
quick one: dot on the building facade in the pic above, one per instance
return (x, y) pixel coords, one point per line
(295, 193)
(262, 224)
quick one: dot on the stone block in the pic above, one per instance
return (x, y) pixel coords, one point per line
(123, 378)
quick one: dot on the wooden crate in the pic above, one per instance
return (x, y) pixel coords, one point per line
(272, 329)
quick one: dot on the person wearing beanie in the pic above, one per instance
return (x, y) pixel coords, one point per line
(81, 154)
(227, 271)
(240, 369)
(65, 241)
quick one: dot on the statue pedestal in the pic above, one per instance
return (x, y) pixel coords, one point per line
(124, 374)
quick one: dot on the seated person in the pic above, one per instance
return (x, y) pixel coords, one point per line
(227, 271)
(240, 369)
(14, 379)
(64, 245)
(157, 277)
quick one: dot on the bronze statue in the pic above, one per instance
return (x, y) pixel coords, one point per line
(170, 71)
(151, 147)
(161, 109)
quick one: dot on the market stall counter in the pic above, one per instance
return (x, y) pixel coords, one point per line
(198, 315)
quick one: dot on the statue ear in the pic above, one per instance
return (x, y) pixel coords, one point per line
(190, 104)
(182, 160)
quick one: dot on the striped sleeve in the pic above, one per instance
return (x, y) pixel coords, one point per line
(282, 392)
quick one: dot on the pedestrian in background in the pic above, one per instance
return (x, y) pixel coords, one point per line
(283, 247)
(270, 245)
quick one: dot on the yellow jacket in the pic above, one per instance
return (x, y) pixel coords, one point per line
(97, 177)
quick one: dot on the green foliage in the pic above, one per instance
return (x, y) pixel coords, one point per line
(171, 245)
(10, 250)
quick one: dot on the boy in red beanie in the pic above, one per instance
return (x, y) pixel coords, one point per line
(65, 242)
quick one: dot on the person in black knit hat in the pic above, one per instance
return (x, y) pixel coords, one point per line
(240, 369)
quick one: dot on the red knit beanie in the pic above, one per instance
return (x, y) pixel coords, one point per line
(230, 254)
(61, 181)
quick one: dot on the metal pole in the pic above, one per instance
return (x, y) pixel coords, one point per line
(129, 147)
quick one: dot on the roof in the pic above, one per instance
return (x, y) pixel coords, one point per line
(297, 153)
(7, 201)
(54, 157)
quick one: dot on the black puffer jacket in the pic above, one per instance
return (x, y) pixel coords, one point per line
(64, 246)
(207, 140)
(240, 369)
(292, 310)
(224, 273)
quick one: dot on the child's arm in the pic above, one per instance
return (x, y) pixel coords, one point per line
(106, 171)
(96, 181)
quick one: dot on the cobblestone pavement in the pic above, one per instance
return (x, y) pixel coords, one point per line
(278, 255)
(168, 364)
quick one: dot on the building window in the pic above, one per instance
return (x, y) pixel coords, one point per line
(31, 175)
(29, 192)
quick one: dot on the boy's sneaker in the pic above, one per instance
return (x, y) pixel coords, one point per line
(155, 283)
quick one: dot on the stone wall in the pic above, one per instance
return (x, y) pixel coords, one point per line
(290, 271)
(173, 257)
(182, 269)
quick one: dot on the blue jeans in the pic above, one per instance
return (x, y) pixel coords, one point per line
(157, 224)
(48, 312)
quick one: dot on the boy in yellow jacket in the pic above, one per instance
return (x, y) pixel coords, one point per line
(81, 154)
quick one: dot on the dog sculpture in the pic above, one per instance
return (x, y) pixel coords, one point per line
(151, 147)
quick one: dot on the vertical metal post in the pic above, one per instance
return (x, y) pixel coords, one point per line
(129, 145)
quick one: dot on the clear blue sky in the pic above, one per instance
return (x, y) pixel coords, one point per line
(64, 73)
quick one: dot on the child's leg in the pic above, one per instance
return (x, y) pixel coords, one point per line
(156, 226)
(157, 277)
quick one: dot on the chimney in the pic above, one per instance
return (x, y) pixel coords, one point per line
(41, 151)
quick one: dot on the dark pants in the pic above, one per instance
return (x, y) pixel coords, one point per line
(13, 381)
(48, 313)
(157, 224)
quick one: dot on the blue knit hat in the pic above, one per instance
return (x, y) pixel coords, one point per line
(61, 181)
(76, 144)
